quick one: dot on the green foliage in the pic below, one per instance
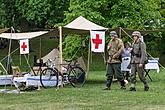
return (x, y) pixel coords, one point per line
(28, 14)
(72, 47)
(89, 9)
(2, 15)
(42, 13)
(57, 12)
(35, 11)
(133, 14)
(120, 13)
(8, 13)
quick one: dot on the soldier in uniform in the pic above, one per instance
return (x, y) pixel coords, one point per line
(114, 48)
(138, 61)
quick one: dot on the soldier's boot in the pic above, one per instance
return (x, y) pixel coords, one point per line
(132, 88)
(122, 83)
(108, 84)
(146, 87)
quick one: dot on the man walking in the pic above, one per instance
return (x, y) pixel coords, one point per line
(115, 48)
(138, 61)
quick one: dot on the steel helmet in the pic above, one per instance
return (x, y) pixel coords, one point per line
(113, 33)
(136, 33)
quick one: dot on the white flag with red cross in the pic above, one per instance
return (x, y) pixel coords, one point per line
(97, 41)
(24, 46)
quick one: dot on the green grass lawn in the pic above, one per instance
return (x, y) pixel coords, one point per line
(91, 96)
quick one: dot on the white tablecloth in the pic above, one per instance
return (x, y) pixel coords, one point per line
(153, 65)
(35, 81)
(6, 79)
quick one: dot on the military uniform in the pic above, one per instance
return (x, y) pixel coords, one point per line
(115, 47)
(138, 57)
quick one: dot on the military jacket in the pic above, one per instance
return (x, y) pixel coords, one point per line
(115, 48)
(139, 52)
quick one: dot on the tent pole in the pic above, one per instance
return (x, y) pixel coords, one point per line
(60, 33)
(20, 59)
(40, 49)
(119, 32)
(126, 33)
(88, 58)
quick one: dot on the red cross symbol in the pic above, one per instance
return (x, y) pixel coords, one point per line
(23, 46)
(97, 41)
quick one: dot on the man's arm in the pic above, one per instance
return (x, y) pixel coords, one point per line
(143, 53)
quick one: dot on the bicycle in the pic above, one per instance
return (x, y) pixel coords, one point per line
(73, 75)
(38, 67)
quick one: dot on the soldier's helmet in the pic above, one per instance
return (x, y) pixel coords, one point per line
(136, 33)
(113, 33)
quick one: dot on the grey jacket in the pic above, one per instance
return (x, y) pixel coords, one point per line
(139, 54)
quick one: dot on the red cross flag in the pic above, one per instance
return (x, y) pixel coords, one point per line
(24, 46)
(97, 41)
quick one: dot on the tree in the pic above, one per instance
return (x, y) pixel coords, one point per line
(133, 14)
(34, 11)
(42, 13)
(2, 14)
(115, 13)
(8, 13)
(27, 14)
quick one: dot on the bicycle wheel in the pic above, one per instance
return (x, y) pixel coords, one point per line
(76, 77)
(49, 78)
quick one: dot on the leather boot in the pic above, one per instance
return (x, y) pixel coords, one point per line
(122, 83)
(108, 84)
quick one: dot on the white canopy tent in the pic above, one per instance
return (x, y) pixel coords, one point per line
(79, 26)
(19, 36)
(81, 23)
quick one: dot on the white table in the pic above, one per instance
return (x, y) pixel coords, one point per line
(6, 79)
(151, 65)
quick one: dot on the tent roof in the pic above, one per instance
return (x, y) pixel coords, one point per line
(81, 25)
(18, 36)
(3, 30)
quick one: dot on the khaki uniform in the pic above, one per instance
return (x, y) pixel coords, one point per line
(115, 47)
(138, 57)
